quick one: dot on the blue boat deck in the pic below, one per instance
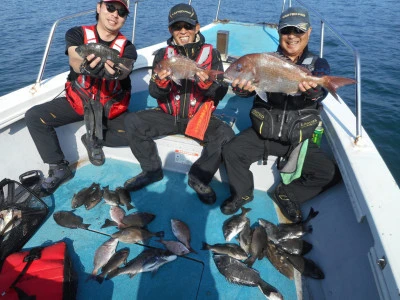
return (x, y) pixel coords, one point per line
(194, 276)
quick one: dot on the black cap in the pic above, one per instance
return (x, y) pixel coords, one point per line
(182, 13)
(295, 17)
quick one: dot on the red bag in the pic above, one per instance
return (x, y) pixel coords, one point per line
(42, 272)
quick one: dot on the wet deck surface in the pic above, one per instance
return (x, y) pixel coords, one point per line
(192, 277)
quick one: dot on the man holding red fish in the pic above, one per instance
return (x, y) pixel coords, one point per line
(186, 103)
(282, 125)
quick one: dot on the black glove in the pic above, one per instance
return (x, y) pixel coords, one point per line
(314, 93)
(115, 76)
(86, 69)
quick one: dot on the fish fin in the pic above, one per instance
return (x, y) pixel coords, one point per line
(100, 278)
(268, 289)
(311, 215)
(176, 80)
(85, 226)
(108, 223)
(205, 246)
(192, 250)
(129, 206)
(250, 261)
(311, 269)
(332, 83)
(262, 94)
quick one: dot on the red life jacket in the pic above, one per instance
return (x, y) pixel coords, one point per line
(197, 97)
(109, 92)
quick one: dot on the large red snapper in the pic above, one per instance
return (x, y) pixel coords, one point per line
(270, 72)
(182, 67)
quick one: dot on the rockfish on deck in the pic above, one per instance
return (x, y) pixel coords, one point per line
(182, 67)
(271, 72)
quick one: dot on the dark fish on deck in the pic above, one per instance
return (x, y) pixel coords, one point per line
(295, 246)
(305, 266)
(182, 232)
(279, 260)
(270, 72)
(94, 197)
(113, 263)
(104, 52)
(134, 235)
(244, 238)
(259, 242)
(284, 231)
(182, 67)
(69, 219)
(175, 247)
(110, 197)
(238, 273)
(138, 219)
(233, 250)
(150, 260)
(235, 224)
(79, 198)
(124, 197)
(103, 255)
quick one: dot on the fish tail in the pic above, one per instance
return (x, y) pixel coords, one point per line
(311, 215)
(205, 246)
(192, 250)
(332, 83)
(160, 234)
(85, 226)
(250, 261)
(129, 206)
(213, 74)
(100, 278)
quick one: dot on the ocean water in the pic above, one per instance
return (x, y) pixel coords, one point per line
(372, 26)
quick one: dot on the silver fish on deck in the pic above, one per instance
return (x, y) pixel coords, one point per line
(235, 224)
(113, 263)
(110, 197)
(103, 255)
(69, 219)
(244, 238)
(134, 235)
(150, 260)
(271, 72)
(238, 273)
(182, 67)
(182, 232)
(175, 247)
(104, 52)
(233, 250)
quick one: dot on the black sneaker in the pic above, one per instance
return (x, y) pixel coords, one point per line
(58, 173)
(233, 204)
(143, 179)
(290, 209)
(205, 193)
(95, 151)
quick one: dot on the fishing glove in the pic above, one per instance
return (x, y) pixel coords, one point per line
(114, 76)
(204, 85)
(86, 69)
(314, 93)
(161, 83)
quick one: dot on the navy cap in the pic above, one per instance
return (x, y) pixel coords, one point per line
(182, 13)
(295, 17)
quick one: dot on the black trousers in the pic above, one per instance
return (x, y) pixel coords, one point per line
(319, 171)
(143, 126)
(42, 120)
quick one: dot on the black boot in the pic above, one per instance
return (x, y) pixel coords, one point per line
(143, 179)
(94, 150)
(289, 208)
(233, 204)
(58, 173)
(205, 193)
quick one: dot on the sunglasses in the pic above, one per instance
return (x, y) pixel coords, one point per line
(122, 12)
(178, 27)
(291, 29)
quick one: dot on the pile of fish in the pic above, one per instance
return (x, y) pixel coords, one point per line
(281, 244)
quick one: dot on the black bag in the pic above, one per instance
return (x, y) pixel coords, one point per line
(290, 127)
(22, 213)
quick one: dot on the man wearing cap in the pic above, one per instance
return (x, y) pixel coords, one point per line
(181, 108)
(94, 91)
(311, 171)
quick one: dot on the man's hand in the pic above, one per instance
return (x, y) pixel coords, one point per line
(311, 90)
(203, 80)
(243, 85)
(92, 66)
(162, 78)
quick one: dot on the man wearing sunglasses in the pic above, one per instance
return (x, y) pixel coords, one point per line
(181, 108)
(305, 170)
(97, 92)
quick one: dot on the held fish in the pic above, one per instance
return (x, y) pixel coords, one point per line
(182, 232)
(238, 273)
(235, 224)
(182, 67)
(271, 72)
(69, 219)
(104, 52)
(233, 250)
